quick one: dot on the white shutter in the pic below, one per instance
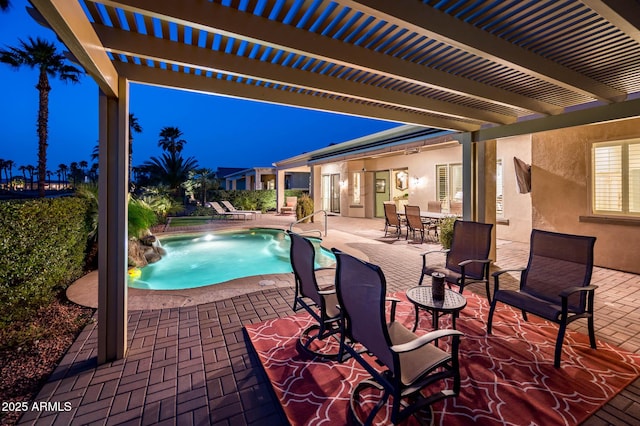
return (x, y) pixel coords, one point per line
(634, 178)
(607, 172)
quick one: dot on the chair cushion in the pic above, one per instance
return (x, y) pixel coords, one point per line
(331, 303)
(529, 303)
(414, 364)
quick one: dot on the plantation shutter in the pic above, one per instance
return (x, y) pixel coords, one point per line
(634, 178)
(607, 166)
(442, 176)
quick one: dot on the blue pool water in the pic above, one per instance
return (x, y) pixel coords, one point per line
(199, 260)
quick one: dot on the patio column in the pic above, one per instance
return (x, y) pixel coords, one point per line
(486, 188)
(113, 197)
(279, 189)
(468, 173)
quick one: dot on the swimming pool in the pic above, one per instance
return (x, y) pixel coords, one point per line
(199, 260)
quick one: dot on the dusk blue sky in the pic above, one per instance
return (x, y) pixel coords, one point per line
(220, 131)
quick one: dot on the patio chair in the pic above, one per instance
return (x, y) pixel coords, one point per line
(555, 285)
(455, 208)
(321, 304)
(435, 207)
(467, 260)
(232, 209)
(392, 219)
(221, 213)
(412, 362)
(290, 205)
(414, 222)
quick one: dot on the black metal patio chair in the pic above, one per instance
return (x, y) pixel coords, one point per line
(412, 362)
(555, 285)
(321, 304)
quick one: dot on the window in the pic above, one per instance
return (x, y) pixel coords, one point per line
(449, 182)
(616, 177)
(356, 188)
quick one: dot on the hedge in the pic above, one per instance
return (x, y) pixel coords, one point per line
(264, 200)
(42, 250)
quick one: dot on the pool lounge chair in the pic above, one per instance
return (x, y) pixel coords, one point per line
(232, 209)
(290, 205)
(220, 213)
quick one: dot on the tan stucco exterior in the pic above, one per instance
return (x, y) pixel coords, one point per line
(517, 206)
(560, 191)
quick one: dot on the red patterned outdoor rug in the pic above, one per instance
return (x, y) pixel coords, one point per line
(507, 378)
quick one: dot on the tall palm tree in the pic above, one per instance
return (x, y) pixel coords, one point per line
(2, 169)
(23, 169)
(42, 55)
(134, 127)
(170, 140)
(8, 168)
(30, 169)
(171, 169)
(63, 168)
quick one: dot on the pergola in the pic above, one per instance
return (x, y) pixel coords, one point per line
(485, 69)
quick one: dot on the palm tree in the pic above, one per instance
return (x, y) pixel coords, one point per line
(201, 179)
(2, 169)
(4, 5)
(30, 169)
(42, 55)
(23, 169)
(170, 140)
(83, 168)
(134, 127)
(171, 169)
(62, 168)
(8, 168)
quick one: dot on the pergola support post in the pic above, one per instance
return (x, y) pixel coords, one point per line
(279, 189)
(113, 199)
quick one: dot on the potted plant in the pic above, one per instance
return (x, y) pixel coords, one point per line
(446, 231)
(304, 208)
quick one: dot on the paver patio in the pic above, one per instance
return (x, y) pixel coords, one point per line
(195, 365)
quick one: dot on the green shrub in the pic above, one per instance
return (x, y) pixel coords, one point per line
(141, 217)
(42, 250)
(446, 231)
(304, 208)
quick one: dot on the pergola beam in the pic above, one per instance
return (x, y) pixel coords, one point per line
(212, 85)
(215, 18)
(161, 50)
(445, 28)
(601, 114)
(69, 22)
(624, 14)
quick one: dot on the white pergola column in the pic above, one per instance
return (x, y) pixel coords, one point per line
(279, 189)
(113, 198)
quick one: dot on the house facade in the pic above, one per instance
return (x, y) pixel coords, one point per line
(571, 188)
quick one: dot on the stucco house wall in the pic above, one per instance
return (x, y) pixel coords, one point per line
(516, 206)
(421, 168)
(560, 185)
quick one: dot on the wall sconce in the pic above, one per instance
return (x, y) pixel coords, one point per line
(416, 181)
(343, 183)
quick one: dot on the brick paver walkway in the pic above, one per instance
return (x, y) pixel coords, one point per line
(195, 365)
